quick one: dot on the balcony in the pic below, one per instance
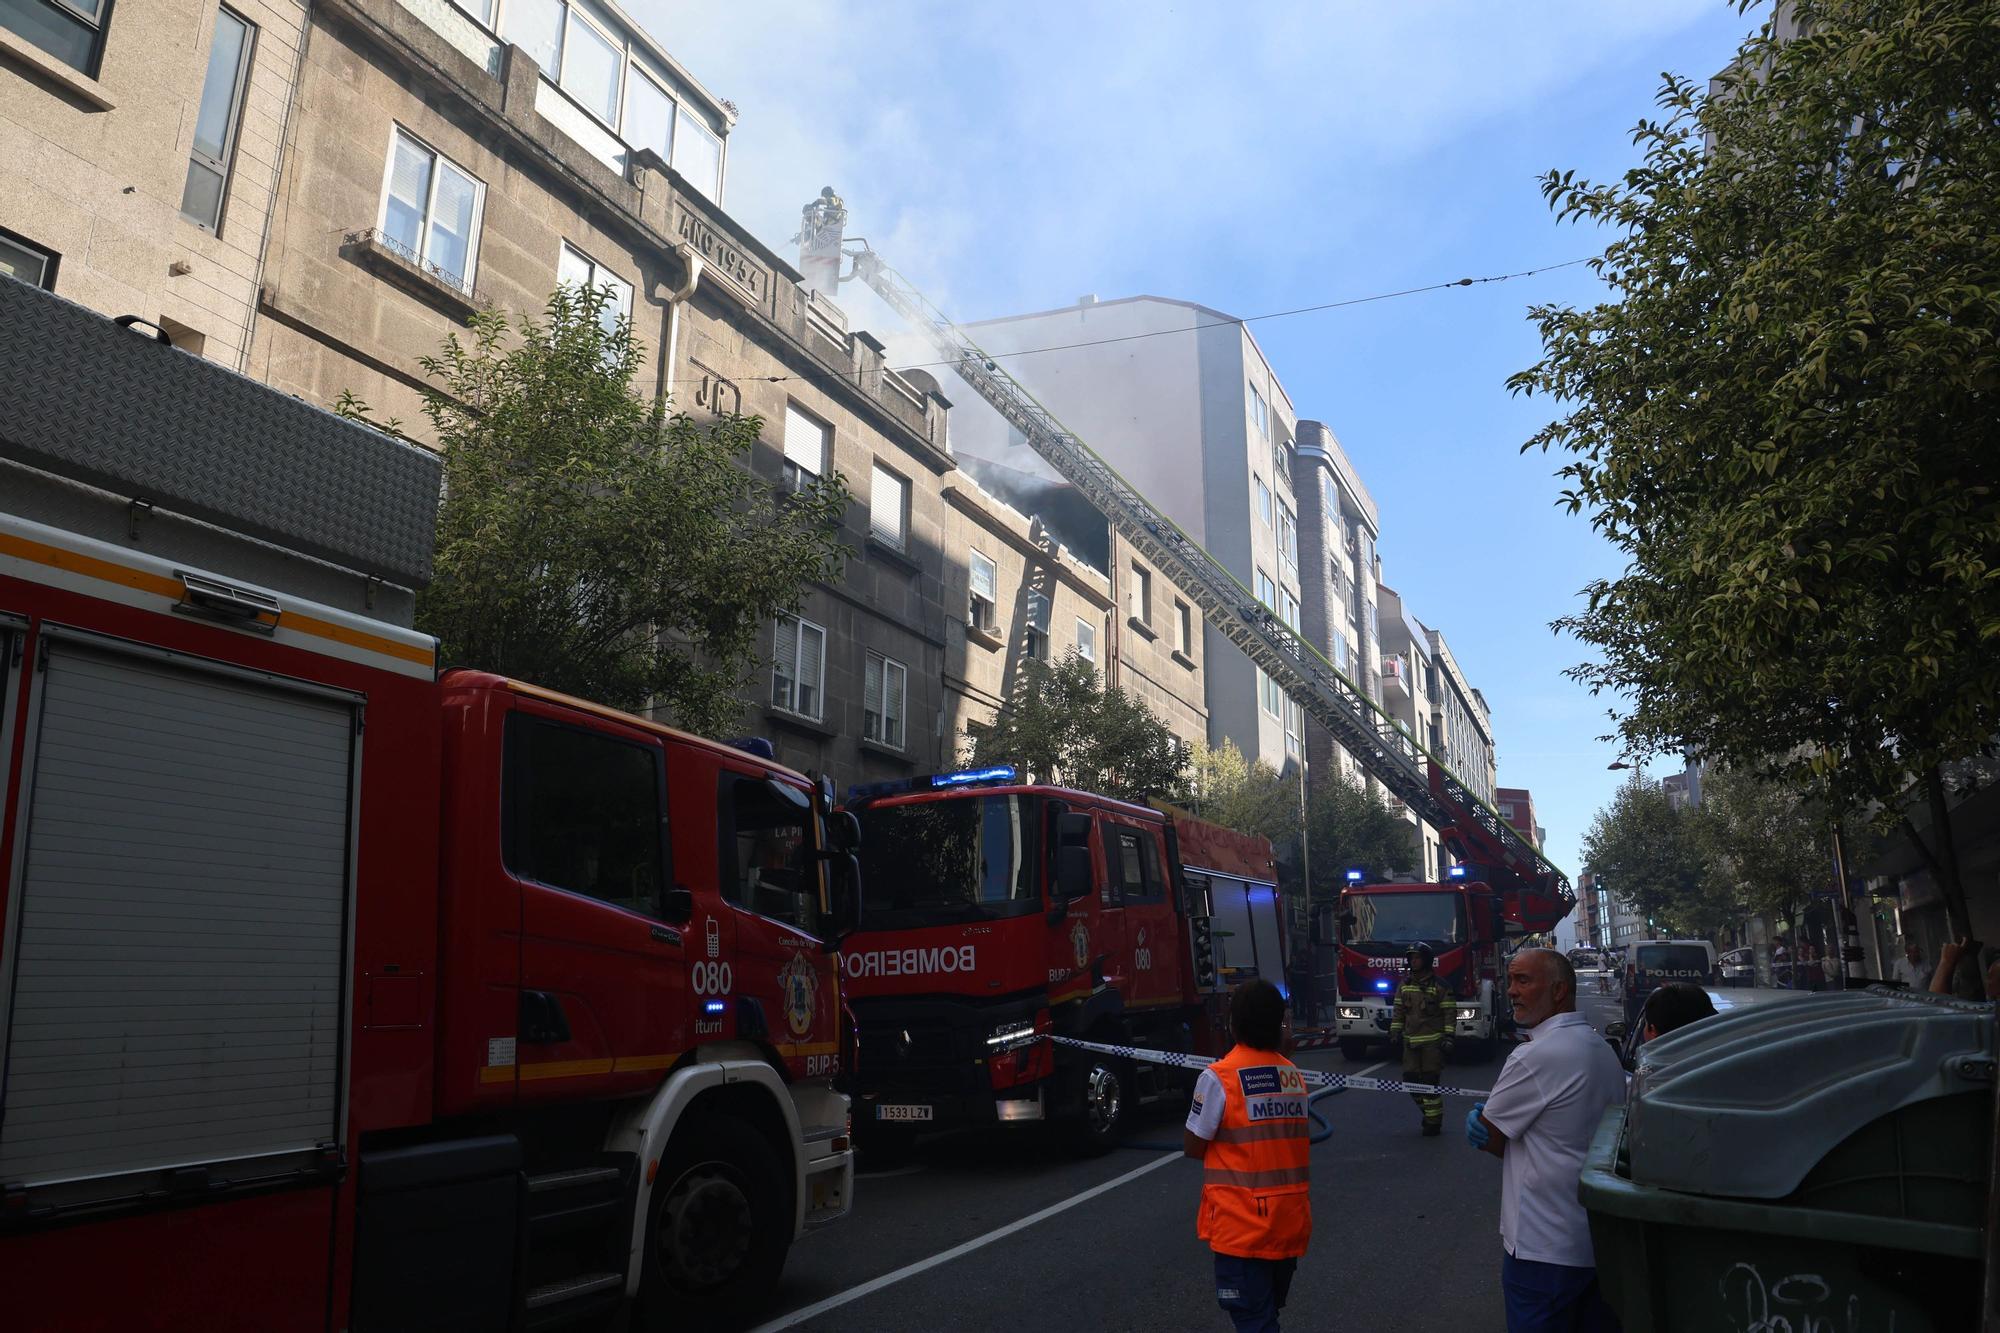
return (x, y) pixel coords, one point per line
(1395, 677)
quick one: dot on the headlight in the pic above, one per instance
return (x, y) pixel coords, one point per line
(1349, 1012)
(1010, 1035)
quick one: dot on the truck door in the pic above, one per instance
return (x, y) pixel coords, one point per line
(1152, 930)
(783, 987)
(604, 1004)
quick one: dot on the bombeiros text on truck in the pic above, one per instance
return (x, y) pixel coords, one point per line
(336, 994)
(998, 912)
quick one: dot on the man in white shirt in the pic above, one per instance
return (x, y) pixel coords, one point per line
(1538, 1121)
(1910, 969)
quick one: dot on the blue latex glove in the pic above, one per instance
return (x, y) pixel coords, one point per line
(1476, 1132)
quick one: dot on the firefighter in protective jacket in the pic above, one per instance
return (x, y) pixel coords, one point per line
(1422, 1020)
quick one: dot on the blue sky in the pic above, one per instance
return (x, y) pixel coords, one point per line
(1257, 157)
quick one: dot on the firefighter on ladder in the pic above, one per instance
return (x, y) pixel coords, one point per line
(1422, 1020)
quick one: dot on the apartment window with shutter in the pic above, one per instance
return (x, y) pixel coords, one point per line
(807, 440)
(1086, 640)
(985, 593)
(1184, 627)
(576, 269)
(1037, 642)
(217, 119)
(885, 690)
(1139, 597)
(798, 670)
(888, 504)
(430, 210)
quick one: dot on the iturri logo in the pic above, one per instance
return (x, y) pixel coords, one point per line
(1079, 943)
(800, 989)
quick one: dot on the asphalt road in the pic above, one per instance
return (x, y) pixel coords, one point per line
(1006, 1231)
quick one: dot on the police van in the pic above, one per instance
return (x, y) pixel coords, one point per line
(1650, 964)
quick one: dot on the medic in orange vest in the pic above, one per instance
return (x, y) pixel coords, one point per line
(1248, 1128)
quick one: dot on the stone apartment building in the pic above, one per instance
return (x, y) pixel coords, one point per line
(1339, 575)
(319, 196)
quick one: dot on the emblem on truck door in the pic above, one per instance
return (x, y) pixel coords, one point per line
(800, 989)
(1079, 943)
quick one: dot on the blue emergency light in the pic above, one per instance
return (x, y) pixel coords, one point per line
(1382, 985)
(965, 777)
(1354, 877)
(1456, 872)
(714, 1006)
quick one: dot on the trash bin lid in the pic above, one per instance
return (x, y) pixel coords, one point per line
(1746, 1103)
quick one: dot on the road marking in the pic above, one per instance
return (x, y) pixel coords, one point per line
(874, 1285)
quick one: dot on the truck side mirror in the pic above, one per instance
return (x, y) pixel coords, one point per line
(1323, 928)
(680, 903)
(844, 899)
(1072, 872)
(843, 831)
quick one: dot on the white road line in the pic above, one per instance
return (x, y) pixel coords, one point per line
(874, 1285)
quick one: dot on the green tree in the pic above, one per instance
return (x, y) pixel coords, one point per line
(1783, 420)
(1064, 724)
(1767, 840)
(1648, 854)
(592, 542)
(1347, 825)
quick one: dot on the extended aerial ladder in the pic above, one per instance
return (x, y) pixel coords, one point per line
(1534, 893)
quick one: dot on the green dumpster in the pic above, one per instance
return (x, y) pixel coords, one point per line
(1810, 1164)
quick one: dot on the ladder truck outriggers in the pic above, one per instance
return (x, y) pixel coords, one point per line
(1502, 885)
(336, 993)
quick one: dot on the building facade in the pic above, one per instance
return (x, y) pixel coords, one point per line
(1516, 805)
(1198, 422)
(1339, 579)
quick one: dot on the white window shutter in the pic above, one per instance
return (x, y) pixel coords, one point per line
(784, 653)
(812, 661)
(805, 442)
(885, 508)
(895, 687)
(871, 701)
(985, 578)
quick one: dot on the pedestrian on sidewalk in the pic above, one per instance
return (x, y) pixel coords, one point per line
(1538, 1121)
(1422, 1020)
(1910, 970)
(1248, 1129)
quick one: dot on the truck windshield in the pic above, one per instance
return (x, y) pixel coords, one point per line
(1385, 922)
(948, 860)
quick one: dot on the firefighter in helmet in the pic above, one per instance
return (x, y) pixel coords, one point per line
(1423, 1021)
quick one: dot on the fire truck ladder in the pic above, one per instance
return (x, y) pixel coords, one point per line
(1537, 893)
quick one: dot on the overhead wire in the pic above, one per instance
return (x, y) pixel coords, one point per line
(1226, 321)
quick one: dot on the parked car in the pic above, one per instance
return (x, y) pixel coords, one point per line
(1651, 963)
(1739, 967)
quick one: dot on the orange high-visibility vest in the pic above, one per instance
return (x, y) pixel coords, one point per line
(1254, 1193)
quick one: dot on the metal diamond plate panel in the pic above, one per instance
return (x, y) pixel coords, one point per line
(85, 399)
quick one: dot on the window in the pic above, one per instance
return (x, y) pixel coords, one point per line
(798, 671)
(430, 210)
(576, 269)
(1263, 498)
(1139, 597)
(31, 264)
(985, 593)
(584, 812)
(1329, 501)
(1037, 645)
(479, 9)
(216, 122)
(888, 499)
(1135, 870)
(1295, 720)
(536, 26)
(70, 30)
(1184, 627)
(1288, 608)
(806, 444)
(649, 115)
(1086, 640)
(1288, 538)
(1267, 591)
(593, 67)
(885, 688)
(768, 864)
(1260, 412)
(698, 154)
(1268, 693)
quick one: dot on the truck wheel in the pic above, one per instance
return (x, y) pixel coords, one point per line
(719, 1227)
(1100, 1120)
(1354, 1048)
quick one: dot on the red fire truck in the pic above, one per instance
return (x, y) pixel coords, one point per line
(1490, 896)
(335, 994)
(998, 912)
